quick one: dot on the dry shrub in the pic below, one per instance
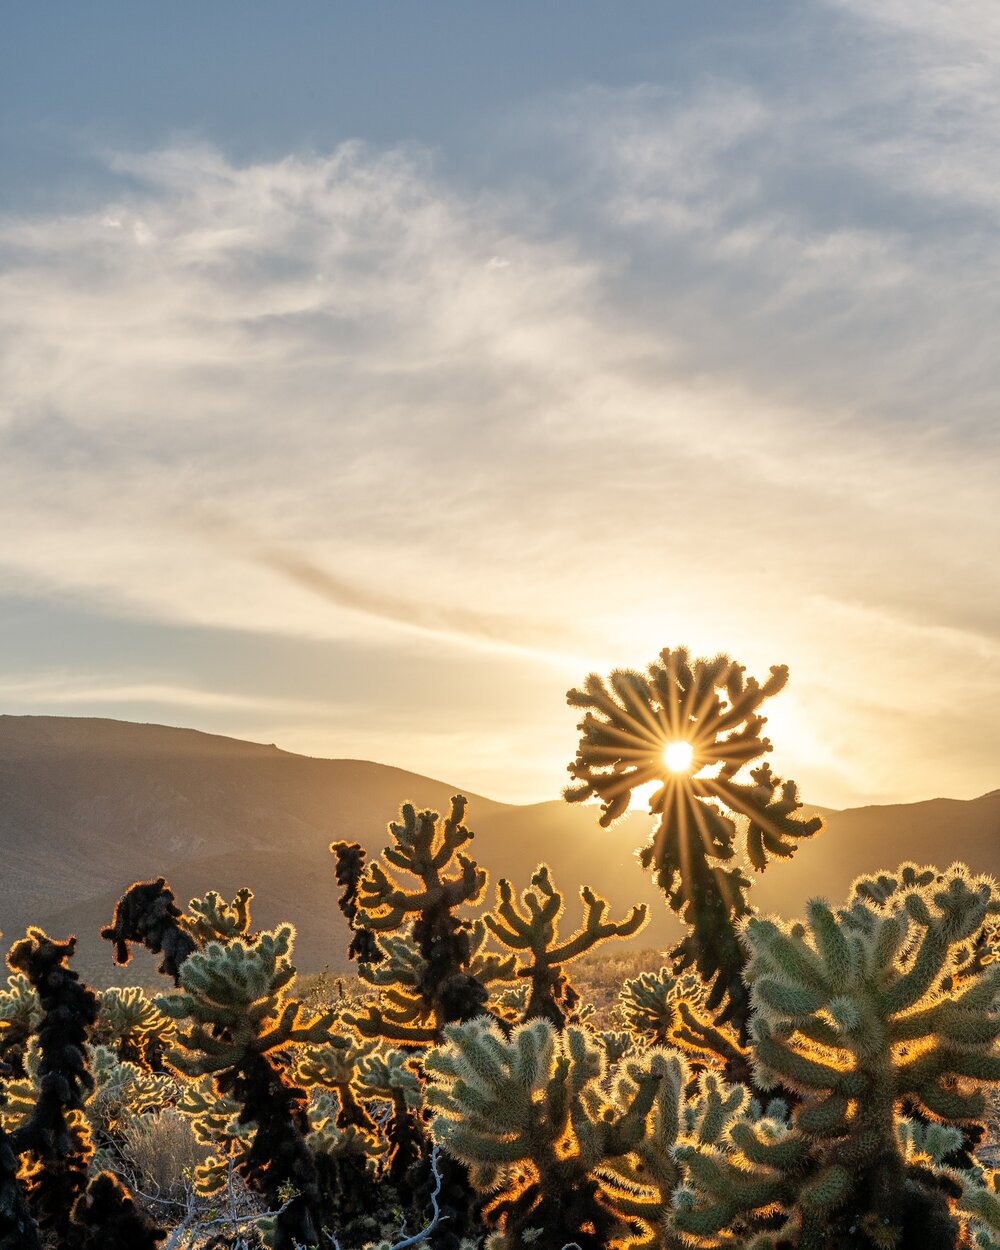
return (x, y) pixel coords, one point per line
(160, 1153)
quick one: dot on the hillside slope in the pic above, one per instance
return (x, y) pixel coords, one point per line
(87, 806)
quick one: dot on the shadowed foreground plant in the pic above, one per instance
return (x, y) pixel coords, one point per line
(55, 1137)
(708, 713)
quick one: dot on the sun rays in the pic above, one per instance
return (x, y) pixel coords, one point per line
(692, 732)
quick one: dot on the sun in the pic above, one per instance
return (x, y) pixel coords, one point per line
(678, 756)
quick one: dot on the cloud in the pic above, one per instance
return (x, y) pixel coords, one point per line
(727, 384)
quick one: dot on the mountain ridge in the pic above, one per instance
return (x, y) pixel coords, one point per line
(89, 804)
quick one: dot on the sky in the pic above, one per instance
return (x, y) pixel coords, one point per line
(371, 373)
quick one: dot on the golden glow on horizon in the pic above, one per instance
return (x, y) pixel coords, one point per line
(678, 756)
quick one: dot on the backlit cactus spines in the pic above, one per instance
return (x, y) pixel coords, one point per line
(19, 1016)
(445, 879)
(107, 1218)
(55, 1137)
(350, 857)
(241, 1026)
(641, 1183)
(851, 1013)
(665, 1009)
(130, 1022)
(711, 712)
(530, 1117)
(980, 1206)
(531, 924)
(212, 919)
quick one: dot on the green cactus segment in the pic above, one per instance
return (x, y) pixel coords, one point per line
(20, 1014)
(212, 919)
(130, 1022)
(531, 925)
(630, 720)
(240, 1027)
(563, 1146)
(852, 1013)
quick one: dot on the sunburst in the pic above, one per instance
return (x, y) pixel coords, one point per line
(694, 728)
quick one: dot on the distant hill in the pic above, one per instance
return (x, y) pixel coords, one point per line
(88, 805)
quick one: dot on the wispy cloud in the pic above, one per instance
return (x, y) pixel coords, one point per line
(728, 383)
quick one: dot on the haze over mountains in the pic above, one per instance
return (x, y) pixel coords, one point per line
(88, 806)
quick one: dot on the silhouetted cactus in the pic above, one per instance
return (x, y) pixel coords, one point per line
(147, 915)
(350, 857)
(18, 1230)
(106, 1218)
(631, 721)
(55, 1137)
(858, 1011)
(531, 925)
(444, 988)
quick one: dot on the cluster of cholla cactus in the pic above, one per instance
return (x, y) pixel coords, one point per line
(817, 1084)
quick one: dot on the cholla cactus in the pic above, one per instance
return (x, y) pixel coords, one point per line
(435, 985)
(530, 1117)
(241, 1026)
(130, 1022)
(859, 1011)
(122, 1091)
(692, 726)
(350, 857)
(55, 1136)
(669, 1010)
(641, 1184)
(531, 925)
(146, 914)
(106, 1218)
(212, 919)
(334, 1067)
(980, 1206)
(19, 1016)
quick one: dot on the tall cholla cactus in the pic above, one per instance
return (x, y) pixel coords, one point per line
(241, 1027)
(692, 726)
(54, 1139)
(446, 990)
(531, 925)
(862, 1012)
